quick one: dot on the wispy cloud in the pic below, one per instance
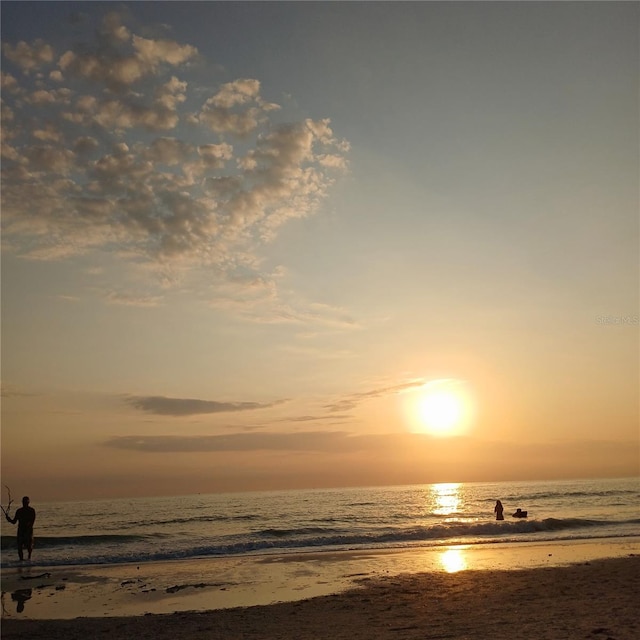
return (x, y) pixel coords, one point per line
(324, 418)
(12, 391)
(133, 300)
(264, 304)
(301, 441)
(164, 406)
(352, 400)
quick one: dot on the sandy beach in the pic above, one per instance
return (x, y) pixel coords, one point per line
(543, 592)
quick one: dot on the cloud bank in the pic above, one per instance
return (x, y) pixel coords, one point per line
(162, 406)
(324, 441)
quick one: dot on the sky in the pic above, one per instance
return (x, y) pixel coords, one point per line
(280, 245)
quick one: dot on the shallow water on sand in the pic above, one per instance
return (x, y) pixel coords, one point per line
(216, 583)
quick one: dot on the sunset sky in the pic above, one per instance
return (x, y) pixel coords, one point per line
(242, 241)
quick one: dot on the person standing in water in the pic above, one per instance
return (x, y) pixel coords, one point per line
(499, 509)
(25, 517)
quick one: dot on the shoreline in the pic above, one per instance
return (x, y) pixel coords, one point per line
(595, 599)
(209, 584)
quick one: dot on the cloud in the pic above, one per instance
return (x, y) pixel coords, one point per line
(256, 298)
(12, 391)
(120, 58)
(324, 418)
(8, 83)
(163, 406)
(169, 151)
(48, 98)
(321, 441)
(29, 57)
(133, 300)
(391, 458)
(47, 133)
(113, 166)
(228, 111)
(349, 402)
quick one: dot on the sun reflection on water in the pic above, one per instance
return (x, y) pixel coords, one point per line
(453, 560)
(446, 498)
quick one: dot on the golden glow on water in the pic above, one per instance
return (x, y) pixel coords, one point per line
(453, 560)
(446, 498)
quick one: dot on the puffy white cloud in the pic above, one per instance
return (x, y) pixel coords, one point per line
(121, 58)
(171, 94)
(50, 159)
(235, 93)
(154, 52)
(48, 133)
(113, 29)
(214, 155)
(29, 57)
(120, 114)
(85, 144)
(9, 83)
(222, 120)
(169, 151)
(116, 160)
(332, 160)
(8, 114)
(43, 98)
(236, 108)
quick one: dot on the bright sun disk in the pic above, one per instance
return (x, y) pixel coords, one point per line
(441, 408)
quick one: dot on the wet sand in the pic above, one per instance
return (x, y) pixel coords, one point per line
(553, 591)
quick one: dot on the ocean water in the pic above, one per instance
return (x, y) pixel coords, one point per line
(235, 524)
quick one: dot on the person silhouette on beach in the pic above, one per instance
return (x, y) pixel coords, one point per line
(519, 513)
(20, 597)
(499, 510)
(25, 517)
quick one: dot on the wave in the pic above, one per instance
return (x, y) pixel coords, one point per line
(49, 542)
(445, 530)
(111, 549)
(284, 533)
(543, 495)
(190, 520)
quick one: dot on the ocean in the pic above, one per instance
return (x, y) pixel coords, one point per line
(325, 520)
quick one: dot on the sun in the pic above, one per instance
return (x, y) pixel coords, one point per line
(441, 408)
